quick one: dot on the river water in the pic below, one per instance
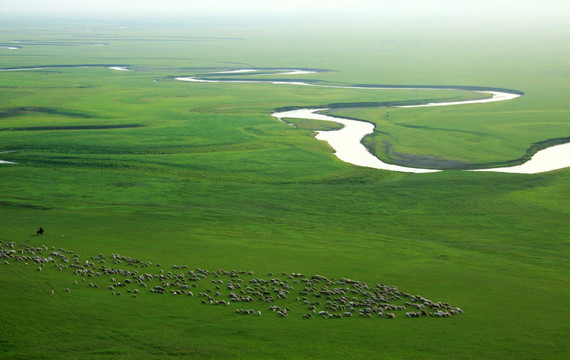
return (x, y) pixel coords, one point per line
(347, 145)
(346, 142)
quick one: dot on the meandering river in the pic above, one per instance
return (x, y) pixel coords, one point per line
(346, 142)
(347, 145)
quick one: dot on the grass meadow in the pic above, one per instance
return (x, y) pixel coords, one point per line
(138, 164)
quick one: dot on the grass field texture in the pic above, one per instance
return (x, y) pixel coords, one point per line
(138, 164)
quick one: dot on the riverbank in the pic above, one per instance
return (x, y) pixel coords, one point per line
(347, 143)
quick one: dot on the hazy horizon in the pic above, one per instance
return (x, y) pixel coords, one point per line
(548, 10)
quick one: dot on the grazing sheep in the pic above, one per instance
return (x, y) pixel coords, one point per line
(349, 297)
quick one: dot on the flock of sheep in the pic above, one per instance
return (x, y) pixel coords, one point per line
(281, 295)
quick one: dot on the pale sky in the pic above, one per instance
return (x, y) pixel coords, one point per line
(436, 8)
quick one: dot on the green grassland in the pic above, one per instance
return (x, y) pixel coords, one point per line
(480, 137)
(139, 164)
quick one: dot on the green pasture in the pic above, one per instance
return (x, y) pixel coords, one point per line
(139, 164)
(481, 136)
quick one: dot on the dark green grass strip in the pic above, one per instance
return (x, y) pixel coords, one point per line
(450, 87)
(73, 127)
(16, 111)
(364, 104)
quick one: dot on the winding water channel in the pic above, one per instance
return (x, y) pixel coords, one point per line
(347, 145)
(346, 142)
